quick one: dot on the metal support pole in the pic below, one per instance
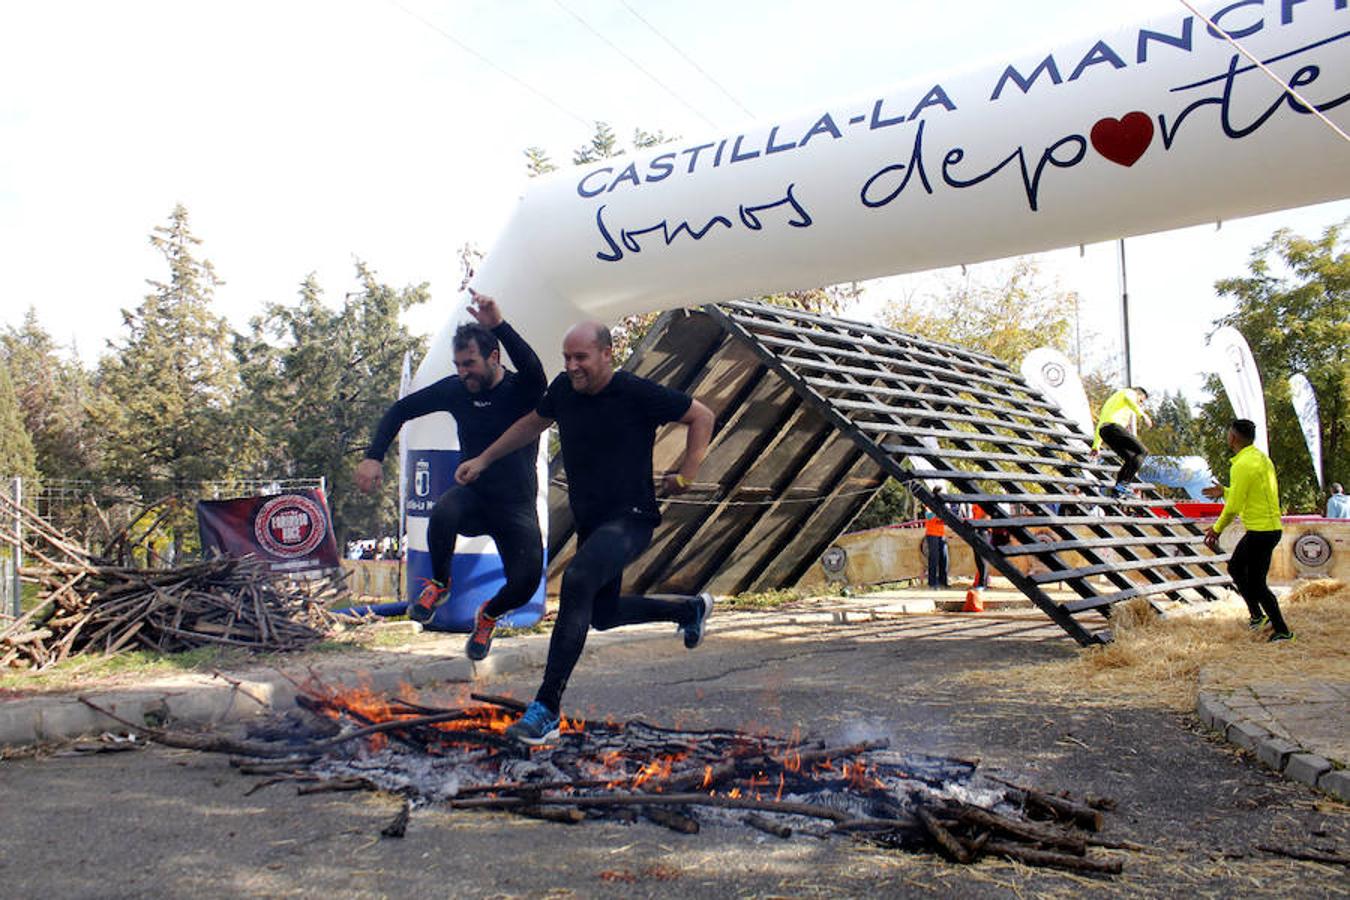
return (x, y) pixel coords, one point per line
(17, 489)
(1125, 318)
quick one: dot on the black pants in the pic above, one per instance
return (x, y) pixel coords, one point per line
(1128, 448)
(513, 526)
(937, 560)
(590, 598)
(1249, 566)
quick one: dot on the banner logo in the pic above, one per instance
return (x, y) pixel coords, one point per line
(834, 560)
(290, 526)
(1053, 373)
(1312, 551)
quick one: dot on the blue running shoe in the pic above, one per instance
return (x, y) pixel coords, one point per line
(539, 725)
(693, 632)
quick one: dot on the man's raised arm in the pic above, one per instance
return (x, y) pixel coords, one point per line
(525, 429)
(529, 369)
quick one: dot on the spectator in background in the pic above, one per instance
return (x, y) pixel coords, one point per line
(981, 572)
(1338, 504)
(935, 538)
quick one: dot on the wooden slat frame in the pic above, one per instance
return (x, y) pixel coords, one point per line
(1009, 432)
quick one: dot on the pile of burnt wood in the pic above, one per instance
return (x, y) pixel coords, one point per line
(458, 757)
(85, 605)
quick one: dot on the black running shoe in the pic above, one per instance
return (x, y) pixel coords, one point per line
(693, 632)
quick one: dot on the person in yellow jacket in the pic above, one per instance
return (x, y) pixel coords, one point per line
(1116, 425)
(1255, 496)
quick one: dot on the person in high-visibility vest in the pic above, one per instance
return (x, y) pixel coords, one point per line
(1117, 425)
(935, 538)
(981, 571)
(1255, 496)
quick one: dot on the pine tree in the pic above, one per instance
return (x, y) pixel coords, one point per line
(52, 395)
(319, 379)
(537, 162)
(603, 145)
(167, 388)
(16, 448)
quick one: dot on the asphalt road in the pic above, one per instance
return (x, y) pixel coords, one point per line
(176, 823)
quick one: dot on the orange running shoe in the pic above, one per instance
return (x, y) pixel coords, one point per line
(433, 595)
(480, 639)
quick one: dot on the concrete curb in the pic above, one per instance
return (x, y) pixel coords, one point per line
(202, 701)
(1280, 754)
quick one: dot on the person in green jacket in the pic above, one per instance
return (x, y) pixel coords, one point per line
(1255, 496)
(1116, 425)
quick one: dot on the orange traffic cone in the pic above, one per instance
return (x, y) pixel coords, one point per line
(974, 600)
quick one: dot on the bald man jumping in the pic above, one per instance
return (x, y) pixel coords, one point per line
(607, 421)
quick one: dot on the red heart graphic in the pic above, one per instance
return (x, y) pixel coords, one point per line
(1123, 141)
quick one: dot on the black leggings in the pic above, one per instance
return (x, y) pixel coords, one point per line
(1128, 448)
(590, 598)
(1249, 566)
(514, 527)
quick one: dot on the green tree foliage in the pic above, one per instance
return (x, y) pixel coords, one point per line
(602, 145)
(537, 162)
(318, 379)
(16, 448)
(53, 394)
(1005, 317)
(644, 139)
(167, 388)
(893, 503)
(1291, 307)
(1173, 432)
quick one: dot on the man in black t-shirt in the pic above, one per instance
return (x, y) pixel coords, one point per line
(607, 421)
(485, 399)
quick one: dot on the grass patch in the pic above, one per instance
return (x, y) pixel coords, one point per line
(131, 663)
(135, 665)
(764, 600)
(1156, 660)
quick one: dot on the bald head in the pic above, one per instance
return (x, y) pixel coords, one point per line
(593, 333)
(588, 357)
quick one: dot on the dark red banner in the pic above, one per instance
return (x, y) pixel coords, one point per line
(292, 531)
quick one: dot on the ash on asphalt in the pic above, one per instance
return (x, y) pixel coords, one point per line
(170, 823)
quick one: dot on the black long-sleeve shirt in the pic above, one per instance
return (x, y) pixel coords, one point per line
(481, 418)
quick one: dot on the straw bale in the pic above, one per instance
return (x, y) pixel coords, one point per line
(1156, 660)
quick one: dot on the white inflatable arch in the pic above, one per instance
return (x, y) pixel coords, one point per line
(1149, 128)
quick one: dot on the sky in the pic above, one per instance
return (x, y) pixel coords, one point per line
(303, 135)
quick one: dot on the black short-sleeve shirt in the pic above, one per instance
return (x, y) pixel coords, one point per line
(607, 441)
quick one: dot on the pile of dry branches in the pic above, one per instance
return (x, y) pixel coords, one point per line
(87, 606)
